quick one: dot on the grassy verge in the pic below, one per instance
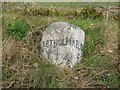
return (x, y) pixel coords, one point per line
(24, 67)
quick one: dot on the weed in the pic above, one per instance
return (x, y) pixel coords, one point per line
(18, 29)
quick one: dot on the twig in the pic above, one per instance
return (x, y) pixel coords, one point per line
(95, 76)
(10, 84)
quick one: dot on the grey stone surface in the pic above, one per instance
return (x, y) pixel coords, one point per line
(62, 44)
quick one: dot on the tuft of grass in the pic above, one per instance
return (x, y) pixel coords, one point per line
(111, 79)
(94, 39)
(18, 29)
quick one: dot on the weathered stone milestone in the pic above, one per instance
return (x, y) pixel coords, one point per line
(62, 44)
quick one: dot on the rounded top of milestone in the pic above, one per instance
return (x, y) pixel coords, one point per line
(62, 44)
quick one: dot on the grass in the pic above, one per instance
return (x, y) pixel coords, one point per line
(23, 66)
(64, 4)
(18, 29)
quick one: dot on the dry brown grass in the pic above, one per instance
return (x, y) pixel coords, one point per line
(17, 57)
